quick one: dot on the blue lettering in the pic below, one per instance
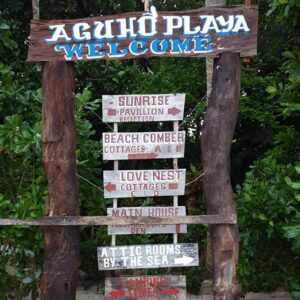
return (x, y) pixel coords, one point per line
(113, 50)
(94, 51)
(202, 45)
(179, 46)
(138, 47)
(70, 51)
(159, 46)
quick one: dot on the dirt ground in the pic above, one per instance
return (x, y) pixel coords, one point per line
(277, 295)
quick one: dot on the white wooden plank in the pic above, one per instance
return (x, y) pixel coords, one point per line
(143, 183)
(135, 212)
(142, 108)
(148, 256)
(143, 145)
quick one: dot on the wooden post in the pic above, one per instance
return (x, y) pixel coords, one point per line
(59, 279)
(219, 124)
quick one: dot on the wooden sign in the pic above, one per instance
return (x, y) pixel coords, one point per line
(143, 145)
(135, 212)
(143, 183)
(142, 108)
(146, 288)
(207, 31)
(147, 256)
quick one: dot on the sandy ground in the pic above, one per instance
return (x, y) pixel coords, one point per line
(278, 295)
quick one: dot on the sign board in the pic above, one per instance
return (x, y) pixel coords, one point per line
(143, 145)
(143, 183)
(146, 212)
(207, 31)
(148, 256)
(142, 108)
(146, 288)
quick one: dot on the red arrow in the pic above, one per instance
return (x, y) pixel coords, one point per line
(173, 186)
(143, 156)
(173, 111)
(117, 294)
(110, 187)
(170, 292)
(112, 112)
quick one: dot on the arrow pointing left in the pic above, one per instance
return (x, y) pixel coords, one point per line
(110, 187)
(112, 112)
(116, 294)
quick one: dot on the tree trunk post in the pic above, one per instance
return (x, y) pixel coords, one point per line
(218, 129)
(59, 280)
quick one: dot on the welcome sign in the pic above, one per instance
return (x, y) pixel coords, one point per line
(202, 32)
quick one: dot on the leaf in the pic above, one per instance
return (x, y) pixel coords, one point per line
(27, 280)
(295, 185)
(292, 232)
(288, 180)
(121, 73)
(271, 89)
(288, 54)
(297, 167)
(29, 253)
(10, 270)
(4, 26)
(262, 217)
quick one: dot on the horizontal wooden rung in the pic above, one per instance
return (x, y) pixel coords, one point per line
(117, 221)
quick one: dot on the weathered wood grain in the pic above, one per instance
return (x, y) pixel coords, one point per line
(146, 288)
(142, 108)
(246, 44)
(143, 183)
(217, 134)
(147, 256)
(61, 244)
(104, 221)
(143, 145)
(134, 212)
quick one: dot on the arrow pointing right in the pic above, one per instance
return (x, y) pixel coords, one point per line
(170, 292)
(184, 260)
(174, 111)
(173, 186)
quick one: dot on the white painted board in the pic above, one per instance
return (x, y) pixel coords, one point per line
(147, 256)
(143, 145)
(142, 108)
(144, 183)
(136, 212)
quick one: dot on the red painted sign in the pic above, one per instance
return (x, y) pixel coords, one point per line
(148, 287)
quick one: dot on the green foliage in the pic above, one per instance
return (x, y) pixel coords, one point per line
(287, 91)
(267, 208)
(268, 199)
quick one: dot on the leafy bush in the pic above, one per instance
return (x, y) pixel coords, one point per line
(267, 211)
